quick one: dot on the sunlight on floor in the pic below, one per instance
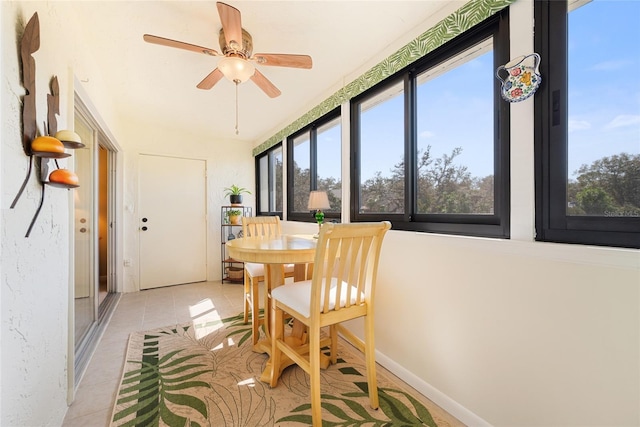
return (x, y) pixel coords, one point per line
(225, 344)
(205, 317)
(201, 307)
(249, 382)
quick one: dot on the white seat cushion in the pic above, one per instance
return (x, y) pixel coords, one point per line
(255, 270)
(297, 295)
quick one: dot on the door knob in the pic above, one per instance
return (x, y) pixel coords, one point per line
(144, 228)
(144, 220)
(83, 230)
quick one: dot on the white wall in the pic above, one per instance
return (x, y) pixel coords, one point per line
(511, 333)
(516, 333)
(228, 162)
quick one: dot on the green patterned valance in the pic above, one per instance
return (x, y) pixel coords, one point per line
(472, 13)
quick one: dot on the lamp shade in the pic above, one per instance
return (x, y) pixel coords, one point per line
(236, 69)
(318, 200)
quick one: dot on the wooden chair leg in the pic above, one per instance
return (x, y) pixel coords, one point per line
(277, 333)
(370, 359)
(255, 310)
(246, 298)
(333, 333)
(314, 362)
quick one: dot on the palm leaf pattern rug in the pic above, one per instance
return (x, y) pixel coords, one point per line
(207, 375)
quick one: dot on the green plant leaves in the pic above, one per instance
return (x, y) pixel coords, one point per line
(207, 375)
(397, 408)
(160, 387)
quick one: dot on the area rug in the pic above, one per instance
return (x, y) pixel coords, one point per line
(207, 375)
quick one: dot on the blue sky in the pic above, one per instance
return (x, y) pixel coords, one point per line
(604, 101)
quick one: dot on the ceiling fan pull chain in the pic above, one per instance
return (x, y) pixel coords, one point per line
(237, 131)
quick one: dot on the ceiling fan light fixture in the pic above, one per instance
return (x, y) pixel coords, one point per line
(236, 69)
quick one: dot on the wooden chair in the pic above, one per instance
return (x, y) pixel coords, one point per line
(254, 227)
(342, 288)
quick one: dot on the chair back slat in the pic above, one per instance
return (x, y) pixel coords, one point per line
(346, 265)
(261, 226)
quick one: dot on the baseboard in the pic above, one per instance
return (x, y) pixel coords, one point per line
(445, 402)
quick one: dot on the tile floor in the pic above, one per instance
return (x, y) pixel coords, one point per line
(142, 311)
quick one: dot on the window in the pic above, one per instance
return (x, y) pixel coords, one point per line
(382, 132)
(431, 144)
(314, 163)
(588, 123)
(455, 164)
(269, 182)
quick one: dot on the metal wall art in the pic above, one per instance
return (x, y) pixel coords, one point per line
(43, 147)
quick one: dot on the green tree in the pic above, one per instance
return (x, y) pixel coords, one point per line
(333, 187)
(301, 185)
(279, 184)
(376, 195)
(609, 184)
(595, 200)
(443, 187)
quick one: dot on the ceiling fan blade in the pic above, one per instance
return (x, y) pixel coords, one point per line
(264, 84)
(231, 24)
(283, 60)
(209, 81)
(179, 45)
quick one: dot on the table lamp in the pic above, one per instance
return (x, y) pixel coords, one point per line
(318, 200)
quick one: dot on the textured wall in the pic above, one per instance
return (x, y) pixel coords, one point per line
(34, 270)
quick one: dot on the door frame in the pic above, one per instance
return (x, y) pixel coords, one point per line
(75, 368)
(205, 205)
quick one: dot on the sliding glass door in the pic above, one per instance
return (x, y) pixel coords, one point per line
(93, 295)
(85, 233)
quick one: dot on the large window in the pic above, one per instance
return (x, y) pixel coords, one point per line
(269, 182)
(430, 145)
(314, 163)
(588, 123)
(382, 131)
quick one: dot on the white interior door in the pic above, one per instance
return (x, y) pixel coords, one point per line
(172, 221)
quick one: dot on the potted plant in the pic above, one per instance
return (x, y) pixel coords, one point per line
(234, 216)
(235, 194)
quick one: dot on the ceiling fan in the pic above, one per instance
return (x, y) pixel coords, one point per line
(236, 45)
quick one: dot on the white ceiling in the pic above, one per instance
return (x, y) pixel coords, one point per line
(158, 84)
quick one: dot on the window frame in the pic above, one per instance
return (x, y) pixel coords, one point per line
(311, 129)
(269, 211)
(496, 225)
(551, 145)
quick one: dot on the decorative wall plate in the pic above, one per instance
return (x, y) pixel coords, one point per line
(523, 77)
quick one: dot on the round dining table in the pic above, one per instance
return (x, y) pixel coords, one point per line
(274, 253)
